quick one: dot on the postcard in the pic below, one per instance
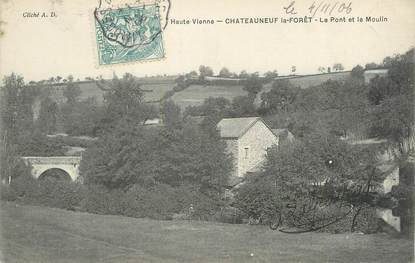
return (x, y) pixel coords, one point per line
(207, 131)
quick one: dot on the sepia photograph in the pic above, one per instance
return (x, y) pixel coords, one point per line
(207, 131)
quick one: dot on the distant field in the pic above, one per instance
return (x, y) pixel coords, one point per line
(90, 90)
(38, 234)
(305, 82)
(308, 81)
(196, 94)
(157, 91)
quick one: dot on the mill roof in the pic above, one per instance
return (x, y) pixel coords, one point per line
(236, 127)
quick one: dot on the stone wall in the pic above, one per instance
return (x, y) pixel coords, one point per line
(252, 147)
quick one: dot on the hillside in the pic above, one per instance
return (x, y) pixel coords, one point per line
(155, 88)
(305, 81)
(195, 94)
(39, 234)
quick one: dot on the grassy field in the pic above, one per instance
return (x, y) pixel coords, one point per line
(305, 82)
(38, 234)
(196, 94)
(157, 91)
(154, 91)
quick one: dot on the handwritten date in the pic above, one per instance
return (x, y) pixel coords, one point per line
(329, 8)
(322, 8)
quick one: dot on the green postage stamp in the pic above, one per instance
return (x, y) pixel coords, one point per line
(128, 34)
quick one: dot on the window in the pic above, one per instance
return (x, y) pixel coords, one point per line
(246, 152)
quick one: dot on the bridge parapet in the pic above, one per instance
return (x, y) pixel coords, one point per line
(53, 160)
(69, 164)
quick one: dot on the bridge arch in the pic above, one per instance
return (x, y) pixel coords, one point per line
(55, 173)
(68, 164)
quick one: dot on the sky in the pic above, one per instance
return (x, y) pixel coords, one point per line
(38, 48)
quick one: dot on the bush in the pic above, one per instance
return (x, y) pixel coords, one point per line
(206, 207)
(7, 193)
(48, 192)
(73, 141)
(158, 202)
(366, 222)
(37, 144)
(258, 200)
(12, 165)
(100, 200)
(24, 185)
(230, 215)
(62, 194)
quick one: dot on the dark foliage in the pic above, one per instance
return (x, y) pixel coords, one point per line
(7, 193)
(82, 117)
(311, 184)
(48, 115)
(392, 100)
(37, 144)
(50, 192)
(279, 98)
(253, 85)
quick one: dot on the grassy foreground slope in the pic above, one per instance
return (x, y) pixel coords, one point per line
(38, 234)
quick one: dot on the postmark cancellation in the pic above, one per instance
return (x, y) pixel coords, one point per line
(128, 34)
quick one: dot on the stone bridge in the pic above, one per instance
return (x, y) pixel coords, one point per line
(40, 165)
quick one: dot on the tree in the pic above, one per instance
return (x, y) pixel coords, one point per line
(371, 65)
(387, 61)
(124, 99)
(357, 72)
(392, 100)
(82, 117)
(347, 106)
(205, 71)
(171, 114)
(212, 106)
(212, 110)
(243, 74)
(270, 75)
(393, 119)
(381, 89)
(253, 85)
(72, 91)
(181, 82)
(243, 106)
(321, 69)
(16, 109)
(293, 69)
(225, 73)
(312, 183)
(48, 115)
(338, 67)
(195, 156)
(121, 157)
(11, 165)
(17, 120)
(192, 75)
(38, 144)
(280, 97)
(132, 154)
